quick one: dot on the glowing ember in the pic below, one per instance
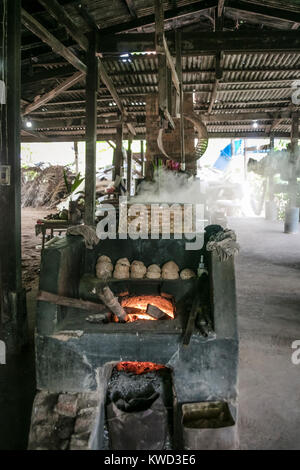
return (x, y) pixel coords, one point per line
(141, 303)
(138, 367)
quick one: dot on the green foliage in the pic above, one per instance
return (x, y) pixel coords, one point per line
(281, 200)
(72, 186)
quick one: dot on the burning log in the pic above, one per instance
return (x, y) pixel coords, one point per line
(108, 298)
(133, 310)
(155, 312)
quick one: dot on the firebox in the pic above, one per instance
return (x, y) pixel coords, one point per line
(184, 331)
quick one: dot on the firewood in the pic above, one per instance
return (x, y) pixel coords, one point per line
(155, 312)
(70, 302)
(108, 298)
(133, 311)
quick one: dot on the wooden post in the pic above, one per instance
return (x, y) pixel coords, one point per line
(13, 325)
(142, 158)
(118, 154)
(294, 159)
(161, 56)
(245, 158)
(179, 104)
(76, 157)
(129, 164)
(271, 177)
(91, 131)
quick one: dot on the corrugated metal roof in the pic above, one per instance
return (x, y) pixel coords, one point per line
(250, 82)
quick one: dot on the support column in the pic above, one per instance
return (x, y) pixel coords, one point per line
(129, 164)
(13, 322)
(161, 57)
(291, 224)
(142, 158)
(118, 154)
(270, 205)
(92, 80)
(76, 157)
(179, 102)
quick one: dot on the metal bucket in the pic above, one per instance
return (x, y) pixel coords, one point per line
(291, 223)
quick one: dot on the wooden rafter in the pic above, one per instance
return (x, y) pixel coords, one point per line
(62, 17)
(206, 43)
(54, 92)
(220, 7)
(280, 13)
(56, 10)
(178, 12)
(36, 28)
(213, 96)
(131, 8)
(160, 46)
(170, 62)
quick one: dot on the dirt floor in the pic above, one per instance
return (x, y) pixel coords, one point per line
(268, 294)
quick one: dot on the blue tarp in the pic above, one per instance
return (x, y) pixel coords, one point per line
(225, 156)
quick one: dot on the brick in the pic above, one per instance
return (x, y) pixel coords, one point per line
(67, 405)
(79, 442)
(85, 420)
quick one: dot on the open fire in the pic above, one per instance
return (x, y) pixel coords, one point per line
(138, 367)
(148, 307)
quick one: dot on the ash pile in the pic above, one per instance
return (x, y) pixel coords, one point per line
(139, 408)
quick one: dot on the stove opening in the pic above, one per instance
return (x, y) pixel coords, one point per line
(148, 307)
(139, 407)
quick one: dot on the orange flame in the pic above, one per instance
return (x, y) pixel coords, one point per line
(138, 367)
(141, 302)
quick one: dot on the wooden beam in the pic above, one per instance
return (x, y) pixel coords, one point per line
(171, 65)
(49, 74)
(59, 13)
(295, 137)
(111, 144)
(36, 28)
(142, 157)
(179, 102)
(233, 116)
(92, 81)
(44, 296)
(40, 101)
(282, 13)
(162, 63)
(118, 154)
(201, 6)
(90, 21)
(12, 296)
(207, 43)
(131, 8)
(293, 160)
(220, 7)
(213, 96)
(129, 166)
